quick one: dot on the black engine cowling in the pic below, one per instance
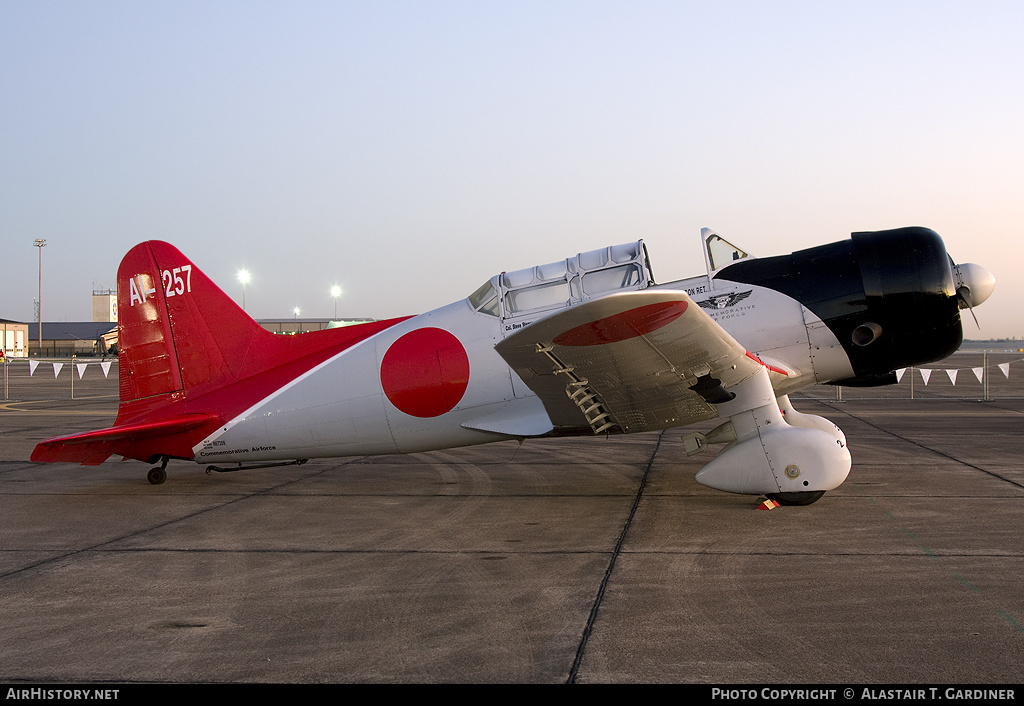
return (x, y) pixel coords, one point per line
(888, 296)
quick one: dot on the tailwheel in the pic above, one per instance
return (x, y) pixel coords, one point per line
(158, 474)
(798, 498)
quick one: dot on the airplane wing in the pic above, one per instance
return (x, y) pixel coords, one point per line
(635, 361)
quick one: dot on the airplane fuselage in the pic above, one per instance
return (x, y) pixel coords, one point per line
(422, 384)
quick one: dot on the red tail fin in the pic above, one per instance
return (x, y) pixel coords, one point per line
(190, 359)
(178, 331)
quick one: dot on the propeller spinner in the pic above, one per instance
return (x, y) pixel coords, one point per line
(974, 284)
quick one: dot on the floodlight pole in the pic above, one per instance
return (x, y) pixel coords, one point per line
(243, 277)
(40, 243)
(335, 293)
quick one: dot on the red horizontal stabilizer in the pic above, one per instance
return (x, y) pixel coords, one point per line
(94, 447)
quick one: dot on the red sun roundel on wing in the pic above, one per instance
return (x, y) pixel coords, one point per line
(623, 326)
(425, 372)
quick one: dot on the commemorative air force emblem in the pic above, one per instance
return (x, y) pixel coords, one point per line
(724, 301)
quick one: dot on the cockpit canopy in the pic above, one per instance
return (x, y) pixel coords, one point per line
(559, 284)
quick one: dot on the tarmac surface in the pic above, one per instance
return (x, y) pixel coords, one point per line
(580, 560)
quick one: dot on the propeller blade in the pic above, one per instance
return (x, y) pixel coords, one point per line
(962, 296)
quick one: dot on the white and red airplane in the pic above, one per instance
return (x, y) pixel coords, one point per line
(589, 345)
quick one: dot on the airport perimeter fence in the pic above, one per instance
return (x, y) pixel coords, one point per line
(31, 379)
(971, 374)
(967, 374)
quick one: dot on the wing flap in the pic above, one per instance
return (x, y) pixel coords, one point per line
(638, 361)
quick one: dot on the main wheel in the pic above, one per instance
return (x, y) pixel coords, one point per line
(798, 498)
(157, 475)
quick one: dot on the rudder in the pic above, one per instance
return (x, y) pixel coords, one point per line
(147, 359)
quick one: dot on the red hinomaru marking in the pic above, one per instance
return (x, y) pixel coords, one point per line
(623, 326)
(425, 372)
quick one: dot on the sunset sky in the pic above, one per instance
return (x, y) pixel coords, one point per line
(406, 151)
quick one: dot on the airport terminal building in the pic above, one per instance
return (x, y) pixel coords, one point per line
(15, 338)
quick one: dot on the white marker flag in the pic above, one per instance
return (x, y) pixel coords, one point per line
(925, 373)
(899, 374)
(952, 375)
(32, 366)
(81, 369)
(1005, 367)
(105, 367)
(56, 368)
(979, 373)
